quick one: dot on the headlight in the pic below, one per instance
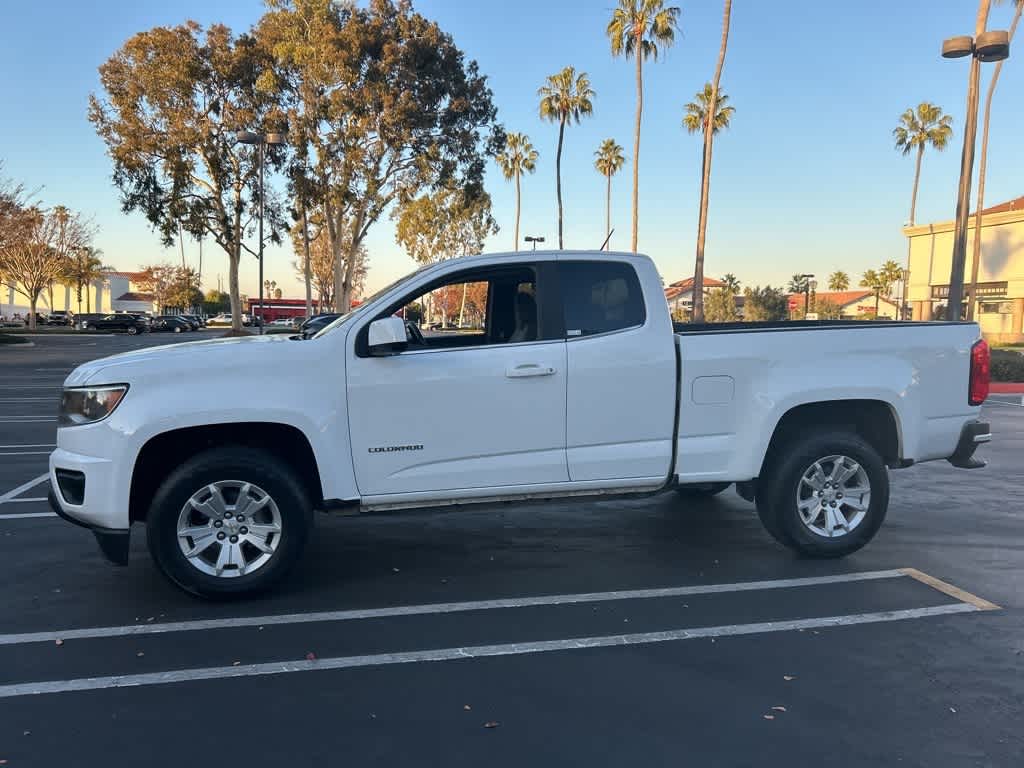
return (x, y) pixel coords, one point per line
(85, 405)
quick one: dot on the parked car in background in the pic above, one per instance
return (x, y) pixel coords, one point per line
(61, 317)
(193, 325)
(251, 321)
(196, 320)
(292, 323)
(219, 321)
(170, 324)
(130, 324)
(317, 323)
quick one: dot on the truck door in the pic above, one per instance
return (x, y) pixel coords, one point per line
(477, 400)
(621, 393)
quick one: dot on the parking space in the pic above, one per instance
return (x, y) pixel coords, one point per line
(644, 632)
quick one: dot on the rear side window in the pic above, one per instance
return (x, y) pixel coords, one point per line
(599, 297)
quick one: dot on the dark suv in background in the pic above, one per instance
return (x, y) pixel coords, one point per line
(130, 324)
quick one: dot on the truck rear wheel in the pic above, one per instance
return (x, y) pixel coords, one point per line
(229, 522)
(825, 495)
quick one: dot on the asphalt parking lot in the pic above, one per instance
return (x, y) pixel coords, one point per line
(650, 632)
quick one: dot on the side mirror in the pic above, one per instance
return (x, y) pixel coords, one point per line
(387, 336)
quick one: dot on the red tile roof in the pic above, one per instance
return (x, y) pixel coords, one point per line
(127, 275)
(687, 284)
(132, 296)
(1017, 204)
(839, 298)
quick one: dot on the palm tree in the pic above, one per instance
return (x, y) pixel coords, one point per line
(608, 161)
(797, 284)
(890, 274)
(696, 116)
(705, 186)
(636, 29)
(920, 128)
(517, 158)
(982, 164)
(565, 97)
(731, 282)
(83, 269)
(838, 281)
(872, 280)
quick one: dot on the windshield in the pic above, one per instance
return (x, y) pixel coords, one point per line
(370, 300)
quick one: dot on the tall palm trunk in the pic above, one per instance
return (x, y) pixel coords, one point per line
(636, 143)
(515, 242)
(917, 179)
(558, 179)
(982, 164)
(705, 188)
(608, 211)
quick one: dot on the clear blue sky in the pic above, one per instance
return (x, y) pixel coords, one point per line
(805, 180)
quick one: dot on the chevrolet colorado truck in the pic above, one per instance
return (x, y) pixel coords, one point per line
(563, 377)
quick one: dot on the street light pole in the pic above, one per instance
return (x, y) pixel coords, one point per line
(986, 46)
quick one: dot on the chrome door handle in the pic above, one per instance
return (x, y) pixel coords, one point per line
(527, 370)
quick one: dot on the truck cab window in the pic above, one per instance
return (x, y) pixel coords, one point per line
(599, 297)
(473, 308)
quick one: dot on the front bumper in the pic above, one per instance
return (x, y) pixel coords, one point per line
(972, 435)
(113, 541)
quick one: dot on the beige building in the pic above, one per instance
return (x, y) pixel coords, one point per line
(113, 292)
(999, 304)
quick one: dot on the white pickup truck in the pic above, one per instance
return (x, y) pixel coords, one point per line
(565, 378)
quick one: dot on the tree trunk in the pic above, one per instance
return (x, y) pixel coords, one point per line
(636, 145)
(963, 198)
(234, 257)
(917, 178)
(515, 242)
(982, 167)
(876, 303)
(558, 179)
(705, 189)
(608, 213)
(307, 273)
(462, 308)
(32, 300)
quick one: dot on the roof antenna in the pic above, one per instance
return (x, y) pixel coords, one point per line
(605, 243)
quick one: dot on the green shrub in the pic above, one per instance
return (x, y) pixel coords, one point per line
(1007, 365)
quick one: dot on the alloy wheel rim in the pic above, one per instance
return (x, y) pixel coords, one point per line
(229, 528)
(833, 496)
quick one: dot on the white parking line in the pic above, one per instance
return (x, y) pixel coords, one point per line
(24, 420)
(437, 608)
(30, 445)
(24, 487)
(470, 652)
(26, 453)
(23, 500)
(25, 515)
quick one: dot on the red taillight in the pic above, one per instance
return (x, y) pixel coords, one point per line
(977, 389)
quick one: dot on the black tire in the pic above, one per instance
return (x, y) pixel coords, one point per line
(177, 329)
(220, 464)
(779, 483)
(701, 490)
(132, 330)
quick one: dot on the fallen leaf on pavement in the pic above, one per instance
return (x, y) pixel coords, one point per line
(235, 663)
(787, 678)
(491, 724)
(769, 717)
(951, 709)
(779, 709)
(140, 653)
(58, 641)
(466, 707)
(310, 656)
(395, 570)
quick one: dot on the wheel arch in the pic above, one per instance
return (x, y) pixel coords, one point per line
(166, 451)
(876, 421)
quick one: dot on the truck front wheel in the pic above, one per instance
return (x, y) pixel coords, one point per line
(229, 522)
(824, 495)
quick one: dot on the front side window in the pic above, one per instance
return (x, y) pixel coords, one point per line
(474, 308)
(599, 297)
